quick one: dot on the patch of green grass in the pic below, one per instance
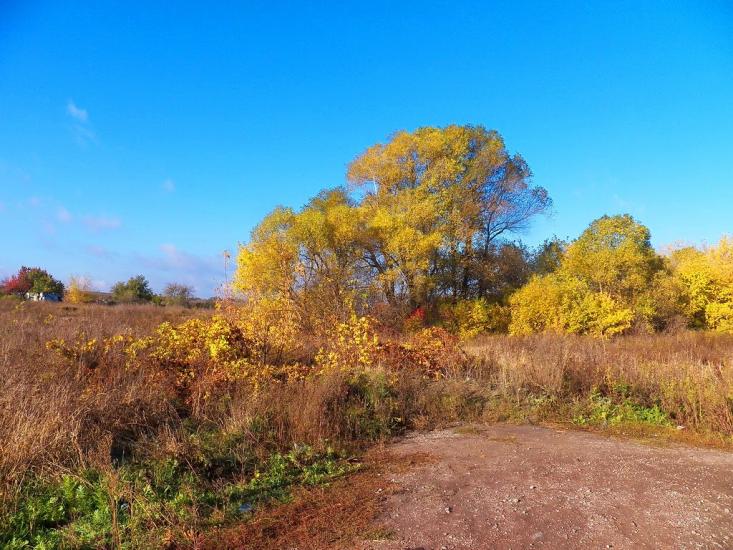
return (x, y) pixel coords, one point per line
(301, 466)
(73, 512)
(602, 410)
(85, 512)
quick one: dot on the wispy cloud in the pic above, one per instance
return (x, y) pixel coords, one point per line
(101, 223)
(77, 112)
(48, 228)
(169, 186)
(99, 251)
(175, 258)
(63, 215)
(173, 264)
(81, 126)
(34, 201)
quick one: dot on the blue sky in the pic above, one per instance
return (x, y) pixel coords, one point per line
(148, 137)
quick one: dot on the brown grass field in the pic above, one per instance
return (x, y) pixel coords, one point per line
(61, 419)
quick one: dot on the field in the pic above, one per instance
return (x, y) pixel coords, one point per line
(109, 442)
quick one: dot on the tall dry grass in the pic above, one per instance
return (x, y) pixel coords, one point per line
(689, 374)
(54, 418)
(57, 417)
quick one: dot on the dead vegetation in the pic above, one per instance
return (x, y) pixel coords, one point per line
(323, 517)
(170, 446)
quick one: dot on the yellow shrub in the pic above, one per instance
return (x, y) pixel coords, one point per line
(706, 277)
(601, 316)
(83, 352)
(469, 318)
(248, 342)
(537, 307)
(719, 316)
(352, 347)
(566, 304)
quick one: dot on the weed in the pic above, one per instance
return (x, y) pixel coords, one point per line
(601, 410)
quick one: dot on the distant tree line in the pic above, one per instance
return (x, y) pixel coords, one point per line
(136, 289)
(31, 279)
(427, 228)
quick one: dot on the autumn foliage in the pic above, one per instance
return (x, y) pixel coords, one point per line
(610, 281)
(31, 279)
(401, 302)
(424, 219)
(426, 226)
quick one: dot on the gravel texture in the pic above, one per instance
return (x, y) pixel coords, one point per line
(517, 487)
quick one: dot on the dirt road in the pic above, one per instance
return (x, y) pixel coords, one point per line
(529, 487)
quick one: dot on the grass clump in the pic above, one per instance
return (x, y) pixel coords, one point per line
(600, 410)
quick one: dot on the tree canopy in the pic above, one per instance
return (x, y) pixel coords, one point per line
(135, 289)
(177, 294)
(706, 281)
(32, 279)
(604, 281)
(426, 216)
(428, 222)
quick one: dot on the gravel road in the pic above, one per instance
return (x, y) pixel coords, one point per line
(518, 487)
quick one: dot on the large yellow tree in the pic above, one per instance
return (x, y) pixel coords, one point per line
(440, 200)
(423, 218)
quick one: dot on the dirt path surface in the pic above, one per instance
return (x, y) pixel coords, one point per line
(529, 487)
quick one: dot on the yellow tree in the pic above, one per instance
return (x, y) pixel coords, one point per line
(311, 257)
(267, 265)
(706, 277)
(421, 221)
(614, 255)
(78, 291)
(453, 192)
(607, 278)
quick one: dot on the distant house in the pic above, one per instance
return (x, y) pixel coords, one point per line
(42, 297)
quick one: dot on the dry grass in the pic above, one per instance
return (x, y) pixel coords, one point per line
(58, 418)
(689, 375)
(55, 418)
(322, 517)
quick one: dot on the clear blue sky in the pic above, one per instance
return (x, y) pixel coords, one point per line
(145, 138)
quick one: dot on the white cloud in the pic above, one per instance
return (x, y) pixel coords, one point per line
(178, 259)
(34, 201)
(99, 251)
(81, 127)
(77, 112)
(100, 223)
(169, 186)
(63, 215)
(204, 273)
